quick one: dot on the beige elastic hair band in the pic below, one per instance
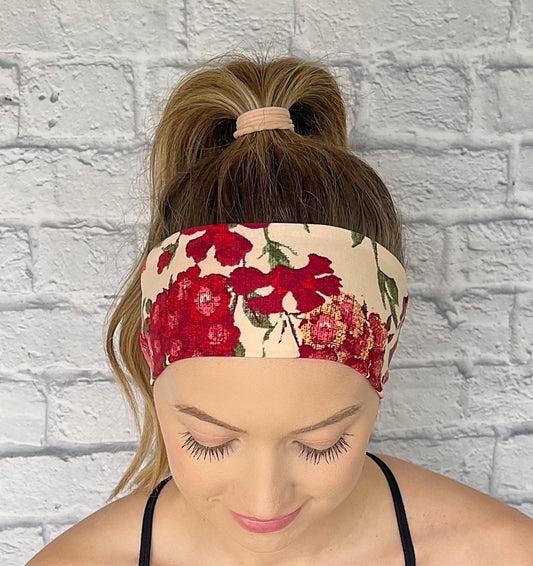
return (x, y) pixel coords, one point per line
(267, 118)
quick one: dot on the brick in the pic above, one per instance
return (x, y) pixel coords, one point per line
(499, 95)
(410, 399)
(418, 97)
(526, 24)
(9, 109)
(59, 488)
(417, 185)
(427, 264)
(375, 25)
(499, 394)
(204, 30)
(19, 544)
(15, 261)
(524, 181)
(522, 321)
(512, 466)
(23, 413)
(26, 181)
(67, 184)
(86, 101)
(478, 328)
(98, 184)
(85, 259)
(493, 252)
(86, 412)
(78, 27)
(41, 337)
(467, 459)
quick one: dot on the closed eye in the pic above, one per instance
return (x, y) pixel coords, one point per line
(329, 454)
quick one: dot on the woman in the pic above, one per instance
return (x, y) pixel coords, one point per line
(270, 241)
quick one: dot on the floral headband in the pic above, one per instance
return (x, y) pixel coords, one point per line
(280, 290)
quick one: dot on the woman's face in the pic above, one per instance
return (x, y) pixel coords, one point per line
(268, 470)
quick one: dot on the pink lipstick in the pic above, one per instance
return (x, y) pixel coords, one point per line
(257, 526)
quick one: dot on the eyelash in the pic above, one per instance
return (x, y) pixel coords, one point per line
(199, 449)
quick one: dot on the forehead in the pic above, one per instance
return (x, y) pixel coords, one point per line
(298, 380)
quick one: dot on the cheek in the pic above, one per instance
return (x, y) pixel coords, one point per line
(191, 475)
(345, 472)
(342, 475)
(196, 481)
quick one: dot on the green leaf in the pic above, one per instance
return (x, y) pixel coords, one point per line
(276, 256)
(268, 332)
(148, 306)
(389, 290)
(357, 238)
(239, 350)
(283, 326)
(392, 289)
(382, 286)
(394, 317)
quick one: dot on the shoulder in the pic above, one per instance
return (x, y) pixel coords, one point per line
(451, 522)
(110, 535)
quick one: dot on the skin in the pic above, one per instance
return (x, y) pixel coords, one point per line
(264, 474)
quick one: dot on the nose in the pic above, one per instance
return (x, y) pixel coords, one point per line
(266, 487)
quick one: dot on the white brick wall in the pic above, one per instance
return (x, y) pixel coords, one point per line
(440, 97)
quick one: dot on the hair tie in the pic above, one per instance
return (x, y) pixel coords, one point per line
(266, 118)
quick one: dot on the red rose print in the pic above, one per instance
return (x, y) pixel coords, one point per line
(163, 261)
(191, 318)
(341, 330)
(304, 284)
(230, 247)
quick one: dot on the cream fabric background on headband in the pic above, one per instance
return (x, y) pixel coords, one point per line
(447, 138)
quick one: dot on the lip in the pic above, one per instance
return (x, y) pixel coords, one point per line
(256, 526)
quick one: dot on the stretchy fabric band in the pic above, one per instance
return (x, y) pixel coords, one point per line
(266, 118)
(280, 290)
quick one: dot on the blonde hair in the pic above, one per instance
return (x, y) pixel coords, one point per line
(200, 174)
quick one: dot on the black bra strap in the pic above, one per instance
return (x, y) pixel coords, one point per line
(403, 525)
(146, 534)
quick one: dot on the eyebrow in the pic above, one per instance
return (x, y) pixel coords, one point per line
(337, 417)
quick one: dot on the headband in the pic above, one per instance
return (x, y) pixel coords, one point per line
(280, 290)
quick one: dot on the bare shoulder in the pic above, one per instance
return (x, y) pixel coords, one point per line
(111, 535)
(452, 523)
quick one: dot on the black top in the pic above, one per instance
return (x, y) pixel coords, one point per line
(403, 526)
